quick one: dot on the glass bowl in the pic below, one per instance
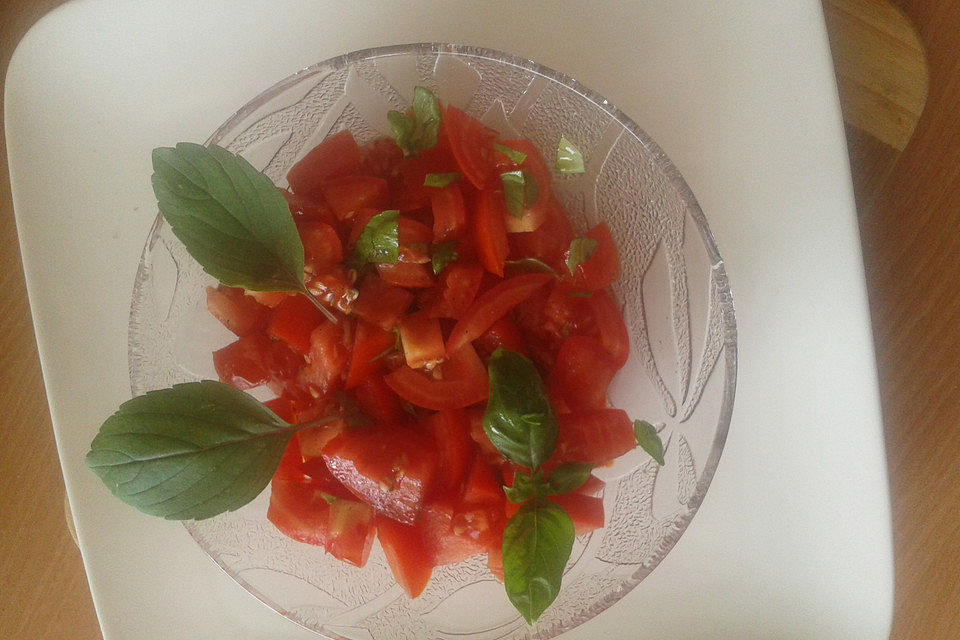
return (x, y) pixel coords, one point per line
(672, 288)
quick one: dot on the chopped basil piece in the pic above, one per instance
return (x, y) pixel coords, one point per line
(418, 129)
(520, 190)
(378, 242)
(581, 250)
(529, 265)
(443, 254)
(569, 158)
(517, 157)
(440, 180)
(649, 440)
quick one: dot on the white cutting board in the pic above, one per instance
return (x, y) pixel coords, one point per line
(793, 539)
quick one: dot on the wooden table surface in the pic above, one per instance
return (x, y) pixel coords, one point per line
(909, 207)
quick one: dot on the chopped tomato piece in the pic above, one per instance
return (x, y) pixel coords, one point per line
(369, 347)
(239, 313)
(381, 303)
(379, 402)
(585, 511)
(459, 284)
(464, 382)
(449, 213)
(550, 240)
(502, 334)
(601, 269)
(328, 358)
(293, 320)
(407, 274)
(350, 193)
(381, 157)
(493, 305)
(482, 486)
(314, 439)
(403, 545)
(582, 373)
(336, 156)
(321, 246)
(489, 229)
(391, 469)
(305, 209)
(255, 360)
(470, 142)
(421, 339)
(440, 542)
(611, 330)
(451, 433)
(593, 435)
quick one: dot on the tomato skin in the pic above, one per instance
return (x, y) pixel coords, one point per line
(336, 156)
(238, 312)
(502, 334)
(490, 230)
(482, 486)
(549, 241)
(449, 213)
(391, 469)
(492, 305)
(459, 284)
(603, 266)
(450, 431)
(370, 343)
(470, 143)
(465, 382)
(581, 374)
(381, 303)
(403, 545)
(596, 436)
(254, 360)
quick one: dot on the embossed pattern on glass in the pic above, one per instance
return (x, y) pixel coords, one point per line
(673, 290)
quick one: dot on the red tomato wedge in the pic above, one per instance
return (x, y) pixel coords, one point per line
(464, 382)
(369, 347)
(470, 142)
(582, 372)
(293, 321)
(421, 339)
(403, 545)
(391, 469)
(350, 193)
(611, 330)
(239, 313)
(321, 246)
(449, 213)
(336, 156)
(593, 435)
(381, 303)
(450, 430)
(493, 305)
(490, 230)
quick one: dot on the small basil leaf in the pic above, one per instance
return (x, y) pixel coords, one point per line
(529, 265)
(537, 542)
(519, 419)
(581, 250)
(513, 192)
(516, 157)
(230, 217)
(522, 489)
(567, 477)
(189, 452)
(569, 158)
(649, 440)
(379, 241)
(440, 180)
(418, 129)
(443, 254)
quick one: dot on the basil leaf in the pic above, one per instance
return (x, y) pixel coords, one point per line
(649, 440)
(443, 254)
(516, 157)
(529, 265)
(537, 542)
(513, 191)
(569, 158)
(581, 250)
(567, 477)
(524, 487)
(230, 217)
(418, 130)
(519, 419)
(440, 180)
(379, 241)
(189, 452)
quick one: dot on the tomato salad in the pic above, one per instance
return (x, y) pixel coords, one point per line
(437, 252)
